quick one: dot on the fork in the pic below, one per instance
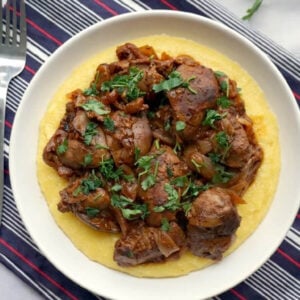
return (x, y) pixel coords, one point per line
(12, 62)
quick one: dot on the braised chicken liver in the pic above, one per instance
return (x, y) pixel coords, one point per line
(159, 150)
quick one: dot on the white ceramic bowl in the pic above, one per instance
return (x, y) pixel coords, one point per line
(33, 208)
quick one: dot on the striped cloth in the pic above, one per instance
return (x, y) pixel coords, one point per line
(50, 24)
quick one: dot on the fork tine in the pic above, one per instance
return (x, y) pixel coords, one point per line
(1, 25)
(22, 25)
(14, 22)
(7, 23)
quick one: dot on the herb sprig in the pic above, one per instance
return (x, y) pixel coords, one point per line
(95, 106)
(174, 80)
(252, 10)
(130, 209)
(126, 85)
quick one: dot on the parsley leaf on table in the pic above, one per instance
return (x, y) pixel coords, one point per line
(252, 10)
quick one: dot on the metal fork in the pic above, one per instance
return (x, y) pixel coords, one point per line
(12, 62)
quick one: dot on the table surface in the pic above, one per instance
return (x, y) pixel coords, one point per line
(277, 19)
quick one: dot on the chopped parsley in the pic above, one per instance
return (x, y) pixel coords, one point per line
(137, 153)
(165, 225)
(126, 85)
(186, 206)
(212, 116)
(193, 190)
(174, 80)
(108, 170)
(180, 181)
(89, 184)
(116, 188)
(221, 176)
(222, 139)
(215, 157)
(130, 209)
(173, 199)
(109, 124)
(223, 102)
(144, 163)
(180, 125)
(252, 10)
(91, 91)
(90, 132)
(92, 212)
(148, 182)
(219, 74)
(62, 148)
(87, 160)
(95, 106)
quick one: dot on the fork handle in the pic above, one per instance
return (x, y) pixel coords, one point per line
(3, 92)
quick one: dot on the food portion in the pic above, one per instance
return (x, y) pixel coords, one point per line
(156, 155)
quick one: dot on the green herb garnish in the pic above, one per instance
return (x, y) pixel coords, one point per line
(92, 212)
(215, 157)
(91, 91)
(109, 124)
(148, 182)
(126, 85)
(221, 176)
(116, 187)
(87, 160)
(108, 170)
(174, 80)
(222, 139)
(137, 153)
(223, 102)
(165, 225)
(130, 209)
(252, 10)
(212, 116)
(95, 106)
(193, 190)
(89, 184)
(180, 181)
(90, 132)
(173, 199)
(180, 125)
(62, 148)
(144, 162)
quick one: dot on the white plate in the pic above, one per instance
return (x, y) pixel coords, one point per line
(33, 208)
